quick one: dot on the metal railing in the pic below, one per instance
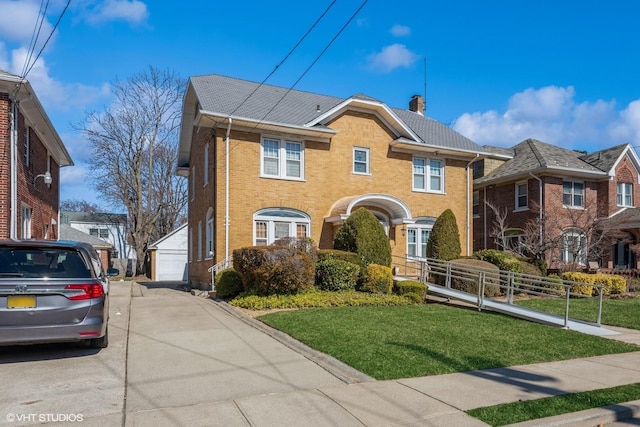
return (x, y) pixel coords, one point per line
(214, 269)
(505, 284)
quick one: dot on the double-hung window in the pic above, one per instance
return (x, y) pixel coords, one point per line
(361, 160)
(625, 194)
(206, 164)
(418, 236)
(428, 174)
(573, 194)
(282, 158)
(522, 196)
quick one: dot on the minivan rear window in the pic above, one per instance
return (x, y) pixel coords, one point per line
(42, 263)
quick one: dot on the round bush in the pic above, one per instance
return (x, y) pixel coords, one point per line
(336, 275)
(228, 283)
(377, 279)
(412, 289)
(470, 285)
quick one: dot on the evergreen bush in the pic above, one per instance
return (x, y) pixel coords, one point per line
(363, 234)
(444, 240)
(413, 289)
(334, 274)
(228, 283)
(502, 260)
(470, 283)
(377, 279)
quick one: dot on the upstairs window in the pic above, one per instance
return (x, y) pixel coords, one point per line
(428, 175)
(361, 160)
(27, 148)
(476, 204)
(206, 164)
(282, 159)
(573, 194)
(625, 194)
(522, 196)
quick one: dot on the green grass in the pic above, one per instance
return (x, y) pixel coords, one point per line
(511, 413)
(623, 312)
(432, 339)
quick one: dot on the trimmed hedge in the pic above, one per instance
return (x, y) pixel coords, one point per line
(611, 283)
(501, 259)
(413, 289)
(363, 234)
(351, 257)
(273, 269)
(228, 283)
(315, 298)
(377, 279)
(334, 274)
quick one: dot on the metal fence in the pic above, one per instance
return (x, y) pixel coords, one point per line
(506, 283)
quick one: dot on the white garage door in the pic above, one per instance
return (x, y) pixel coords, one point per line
(171, 265)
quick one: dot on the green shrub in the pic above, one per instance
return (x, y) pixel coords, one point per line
(611, 283)
(540, 263)
(273, 269)
(413, 289)
(351, 257)
(304, 245)
(530, 269)
(336, 275)
(363, 234)
(228, 283)
(470, 283)
(377, 279)
(554, 283)
(501, 259)
(444, 240)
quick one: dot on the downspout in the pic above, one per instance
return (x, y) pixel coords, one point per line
(14, 167)
(466, 169)
(226, 192)
(484, 217)
(539, 204)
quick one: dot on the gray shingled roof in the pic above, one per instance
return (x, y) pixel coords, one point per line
(533, 155)
(222, 95)
(91, 217)
(69, 233)
(605, 159)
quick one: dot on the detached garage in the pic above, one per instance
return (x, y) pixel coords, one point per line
(168, 256)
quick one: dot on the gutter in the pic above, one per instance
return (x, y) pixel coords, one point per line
(226, 192)
(466, 170)
(14, 167)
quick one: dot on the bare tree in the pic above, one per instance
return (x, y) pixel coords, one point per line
(134, 154)
(499, 224)
(75, 205)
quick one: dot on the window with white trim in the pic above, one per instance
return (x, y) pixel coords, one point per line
(193, 182)
(361, 160)
(522, 195)
(282, 158)
(624, 195)
(573, 246)
(418, 235)
(573, 194)
(476, 204)
(189, 246)
(272, 224)
(209, 231)
(428, 175)
(206, 164)
(199, 255)
(26, 222)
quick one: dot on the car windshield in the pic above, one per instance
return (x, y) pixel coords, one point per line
(39, 262)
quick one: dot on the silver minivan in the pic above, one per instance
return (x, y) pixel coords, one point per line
(52, 291)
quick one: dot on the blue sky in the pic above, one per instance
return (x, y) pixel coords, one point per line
(498, 71)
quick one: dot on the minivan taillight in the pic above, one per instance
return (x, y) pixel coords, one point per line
(90, 291)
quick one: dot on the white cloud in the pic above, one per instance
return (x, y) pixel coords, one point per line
(131, 11)
(392, 57)
(19, 19)
(400, 30)
(551, 114)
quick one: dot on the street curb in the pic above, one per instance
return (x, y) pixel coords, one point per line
(588, 417)
(340, 370)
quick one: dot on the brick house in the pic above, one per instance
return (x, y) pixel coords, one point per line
(563, 196)
(31, 155)
(266, 162)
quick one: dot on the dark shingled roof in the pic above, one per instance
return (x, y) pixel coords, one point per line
(533, 155)
(221, 95)
(605, 159)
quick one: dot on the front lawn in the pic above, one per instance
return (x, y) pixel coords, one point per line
(418, 340)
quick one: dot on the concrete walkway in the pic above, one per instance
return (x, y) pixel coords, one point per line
(194, 361)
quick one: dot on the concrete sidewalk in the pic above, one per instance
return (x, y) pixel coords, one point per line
(194, 361)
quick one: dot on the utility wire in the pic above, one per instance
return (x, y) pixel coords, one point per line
(53, 30)
(285, 58)
(35, 35)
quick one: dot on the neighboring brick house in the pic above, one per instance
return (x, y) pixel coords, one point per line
(31, 155)
(575, 191)
(266, 162)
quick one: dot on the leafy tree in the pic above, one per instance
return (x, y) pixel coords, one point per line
(134, 143)
(444, 241)
(363, 234)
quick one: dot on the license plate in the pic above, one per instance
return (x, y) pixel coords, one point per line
(21, 301)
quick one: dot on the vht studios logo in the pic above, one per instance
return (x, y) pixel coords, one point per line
(45, 418)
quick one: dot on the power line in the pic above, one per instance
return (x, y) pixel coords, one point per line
(285, 58)
(53, 30)
(35, 35)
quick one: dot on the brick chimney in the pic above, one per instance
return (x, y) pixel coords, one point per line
(417, 104)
